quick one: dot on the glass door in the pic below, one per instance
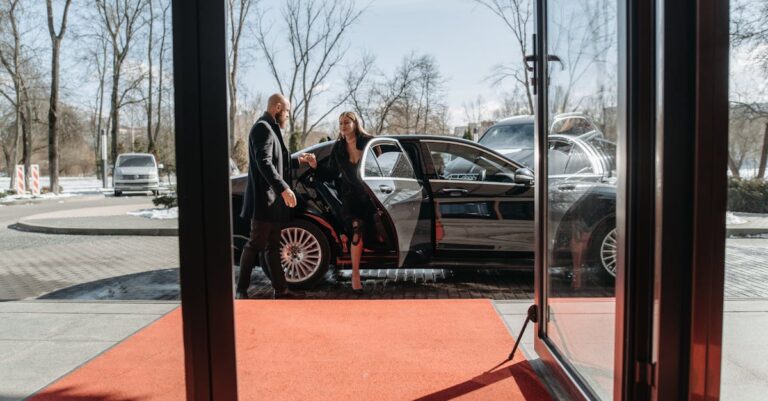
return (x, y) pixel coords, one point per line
(578, 242)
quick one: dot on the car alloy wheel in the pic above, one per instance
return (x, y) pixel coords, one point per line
(608, 248)
(300, 254)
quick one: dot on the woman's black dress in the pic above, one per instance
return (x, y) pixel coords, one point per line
(355, 201)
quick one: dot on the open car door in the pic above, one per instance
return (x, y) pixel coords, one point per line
(389, 174)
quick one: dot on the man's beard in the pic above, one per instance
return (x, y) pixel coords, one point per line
(282, 122)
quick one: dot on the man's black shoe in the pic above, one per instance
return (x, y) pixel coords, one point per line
(241, 294)
(287, 294)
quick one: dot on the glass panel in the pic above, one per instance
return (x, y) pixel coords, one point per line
(393, 162)
(465, 163)
(371, 168)
(582, 68)
(93, 243)
(745, 319)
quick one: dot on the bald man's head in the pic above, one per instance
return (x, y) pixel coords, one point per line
(279, 107)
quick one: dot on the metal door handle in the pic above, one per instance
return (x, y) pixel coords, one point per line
(385, 188)
(566, 187)
(454, 191)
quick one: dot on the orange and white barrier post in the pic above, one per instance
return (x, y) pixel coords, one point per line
(34, 179)
(21, 189)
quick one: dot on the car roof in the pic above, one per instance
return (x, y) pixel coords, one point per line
(136, 154)
(523, 119)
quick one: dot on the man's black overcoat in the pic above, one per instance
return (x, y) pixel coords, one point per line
(269, 173)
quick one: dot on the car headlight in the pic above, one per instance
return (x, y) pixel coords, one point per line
(153, 174)
(118, 176)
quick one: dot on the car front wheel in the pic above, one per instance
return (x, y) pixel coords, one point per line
(604, 249)
(304, 254)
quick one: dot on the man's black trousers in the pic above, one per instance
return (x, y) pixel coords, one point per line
(265, 237)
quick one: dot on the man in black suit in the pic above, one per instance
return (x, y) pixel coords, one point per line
(268, 197)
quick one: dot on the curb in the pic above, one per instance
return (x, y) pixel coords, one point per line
(34, 228)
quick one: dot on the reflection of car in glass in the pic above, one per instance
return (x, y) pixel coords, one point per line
(441, 201)
(513, 136)
(136, 172)
(233, 170)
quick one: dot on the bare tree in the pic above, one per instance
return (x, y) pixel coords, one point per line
(749, 29)
(582, 38)
(237, 16)
(53, 140)
(96, 58)
(153, 115)
(388, 93)
(516, 15)
(316, 30)
(16, 66)
(120, 20)
(749, 34)
(748, 136)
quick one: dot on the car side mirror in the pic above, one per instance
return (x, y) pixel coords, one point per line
(524, 176)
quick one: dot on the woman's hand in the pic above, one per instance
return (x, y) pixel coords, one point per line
(308, 158)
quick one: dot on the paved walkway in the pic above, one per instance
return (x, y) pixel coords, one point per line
(45, 339)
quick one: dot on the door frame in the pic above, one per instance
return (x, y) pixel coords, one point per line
(631, 173)
(203, 188)
(669, 299)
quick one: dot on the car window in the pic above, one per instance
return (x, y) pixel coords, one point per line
(392, 161)
(578, 162)
(460, 162)
(558, 157)
(135, 161)
(509, 136)
(371, 168)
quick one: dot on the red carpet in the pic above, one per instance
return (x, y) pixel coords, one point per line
(326, 350)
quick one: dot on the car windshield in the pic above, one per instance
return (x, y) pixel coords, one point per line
(509, 136)
(136, 161)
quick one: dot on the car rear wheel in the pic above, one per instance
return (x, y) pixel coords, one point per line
(304, 254)
(604, 249)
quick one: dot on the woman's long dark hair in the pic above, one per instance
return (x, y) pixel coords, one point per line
(360, 132)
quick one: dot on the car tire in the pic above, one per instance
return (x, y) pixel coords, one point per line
(118, 193)
(305, 264)
(603, 249)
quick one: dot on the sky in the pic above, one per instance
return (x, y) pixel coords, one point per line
(466, 40)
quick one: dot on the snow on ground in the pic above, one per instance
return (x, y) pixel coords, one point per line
(11, 198)
(157, 213)
(731, 218)
(70, 185)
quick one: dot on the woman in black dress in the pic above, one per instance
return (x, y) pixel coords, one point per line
(344, 162)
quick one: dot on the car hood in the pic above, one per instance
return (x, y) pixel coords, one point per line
(135, 170)
(523, 156)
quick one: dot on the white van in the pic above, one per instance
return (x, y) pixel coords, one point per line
(136, 172)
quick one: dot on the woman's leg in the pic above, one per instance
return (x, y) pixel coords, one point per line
(357, 253)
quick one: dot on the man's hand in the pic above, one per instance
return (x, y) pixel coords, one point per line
(308, 158)
(289, 198)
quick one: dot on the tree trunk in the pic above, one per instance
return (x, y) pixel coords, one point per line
(763, 152)
(99, 121)
(13, 151)
(733, 167)
(115, 110)
(53, 135)
(26, 135)
(150, 137)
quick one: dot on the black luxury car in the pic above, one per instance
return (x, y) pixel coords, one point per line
(441, 202)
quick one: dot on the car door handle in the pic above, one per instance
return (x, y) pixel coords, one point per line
(566, 187)
(385, 188)
(454, 191)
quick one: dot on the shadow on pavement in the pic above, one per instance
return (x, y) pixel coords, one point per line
(378, 284)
